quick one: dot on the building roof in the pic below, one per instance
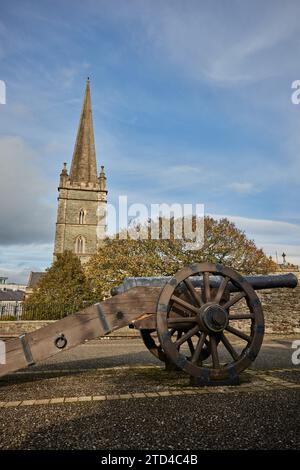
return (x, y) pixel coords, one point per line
(11, 295)
(288, 267)
(84, 166)
(34, 278)
(13, 286)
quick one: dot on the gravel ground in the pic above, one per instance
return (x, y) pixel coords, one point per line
(96, 382)
(257, 415)
(290, 375)
(216, 421)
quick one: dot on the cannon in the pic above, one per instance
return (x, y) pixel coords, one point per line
(206, 320)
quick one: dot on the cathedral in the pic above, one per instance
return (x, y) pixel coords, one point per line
(82, 194)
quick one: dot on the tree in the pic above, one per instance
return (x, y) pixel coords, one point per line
(62, 290)
(224, 243)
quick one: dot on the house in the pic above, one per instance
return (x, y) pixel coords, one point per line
(33, 280)
(11, 302)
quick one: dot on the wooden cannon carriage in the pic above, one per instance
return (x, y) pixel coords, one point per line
(206, 320)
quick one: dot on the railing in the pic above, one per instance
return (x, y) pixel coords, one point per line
(19, 311)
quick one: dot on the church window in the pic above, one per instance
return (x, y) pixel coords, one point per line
(80, 245)
(81, 217)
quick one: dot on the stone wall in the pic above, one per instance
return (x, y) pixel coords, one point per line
(16, 328)
(10, 329)
(282, 309)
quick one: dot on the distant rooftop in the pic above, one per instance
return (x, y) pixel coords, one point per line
(11, 295)
(288, 267)
(34, 278)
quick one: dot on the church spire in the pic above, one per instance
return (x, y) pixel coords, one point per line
(84, 166)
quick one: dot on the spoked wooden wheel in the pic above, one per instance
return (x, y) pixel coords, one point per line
(148, 337)
(207, 317)
(151, 342)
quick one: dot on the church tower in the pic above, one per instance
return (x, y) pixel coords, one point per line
(82, 195)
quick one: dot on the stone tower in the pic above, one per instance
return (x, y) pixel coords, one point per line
(82, 195)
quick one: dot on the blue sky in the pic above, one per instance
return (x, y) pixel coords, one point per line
(191, 102)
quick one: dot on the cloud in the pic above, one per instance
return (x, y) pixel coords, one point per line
(69, 73)
(18, 260)
(292, 252)
(156, 172)
(271, 235)
(267, 228)
(243, 188)
(26, 216)
(209, 41)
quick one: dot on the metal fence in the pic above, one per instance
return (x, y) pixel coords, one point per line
(19, 311)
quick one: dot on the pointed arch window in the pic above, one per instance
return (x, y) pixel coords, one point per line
(81, 217)
(80, 245)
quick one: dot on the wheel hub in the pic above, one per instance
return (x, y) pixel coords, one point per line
(214, 317)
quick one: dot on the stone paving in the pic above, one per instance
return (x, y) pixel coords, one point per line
(254, 381)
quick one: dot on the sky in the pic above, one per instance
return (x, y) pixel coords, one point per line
(191, 104)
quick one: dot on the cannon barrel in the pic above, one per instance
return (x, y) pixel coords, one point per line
(289, 281)
(257, 282)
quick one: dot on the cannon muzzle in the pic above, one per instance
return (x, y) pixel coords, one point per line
(289, 281)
